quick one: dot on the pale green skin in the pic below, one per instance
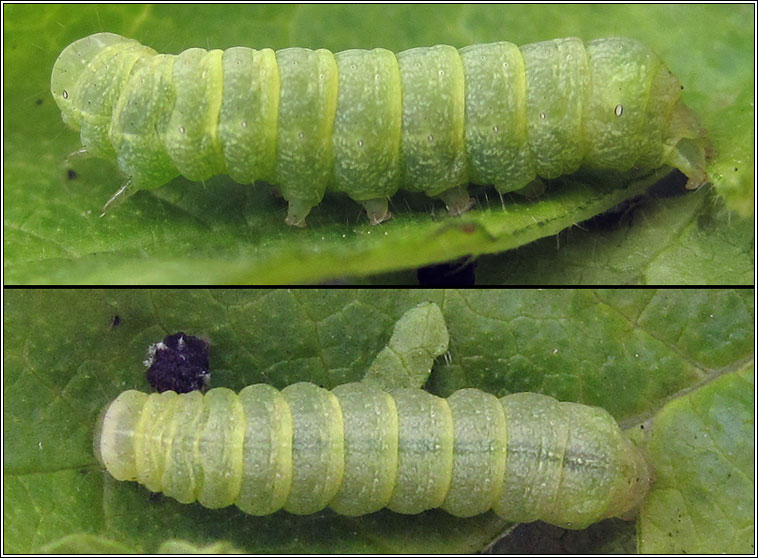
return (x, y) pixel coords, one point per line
(360, 448)
(369, 122)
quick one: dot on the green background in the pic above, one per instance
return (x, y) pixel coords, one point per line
(677, 363)
(222, 232)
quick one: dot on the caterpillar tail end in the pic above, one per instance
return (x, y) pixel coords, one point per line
(635, 480)
(691, 147)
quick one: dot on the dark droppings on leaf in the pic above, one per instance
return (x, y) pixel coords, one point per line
(178, 363)
(116, 321)
(38, 102)
(71, 174)
(457, 272)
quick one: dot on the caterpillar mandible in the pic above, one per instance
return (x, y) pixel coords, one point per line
(359, 448)
(368, 122)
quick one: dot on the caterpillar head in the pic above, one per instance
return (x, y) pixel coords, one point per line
(76, 59)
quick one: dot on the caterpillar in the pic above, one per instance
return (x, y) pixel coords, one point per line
(368, 122)
(358, 448)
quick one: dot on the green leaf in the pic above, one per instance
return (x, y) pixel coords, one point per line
(66, 357)
(702, 448)
(223, 232)
(692, 241)
(734, 134)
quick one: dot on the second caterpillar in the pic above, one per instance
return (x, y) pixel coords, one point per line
(359, 448)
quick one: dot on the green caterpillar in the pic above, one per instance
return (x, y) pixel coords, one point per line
(369, 122)
(381, 442)
(358, 449)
